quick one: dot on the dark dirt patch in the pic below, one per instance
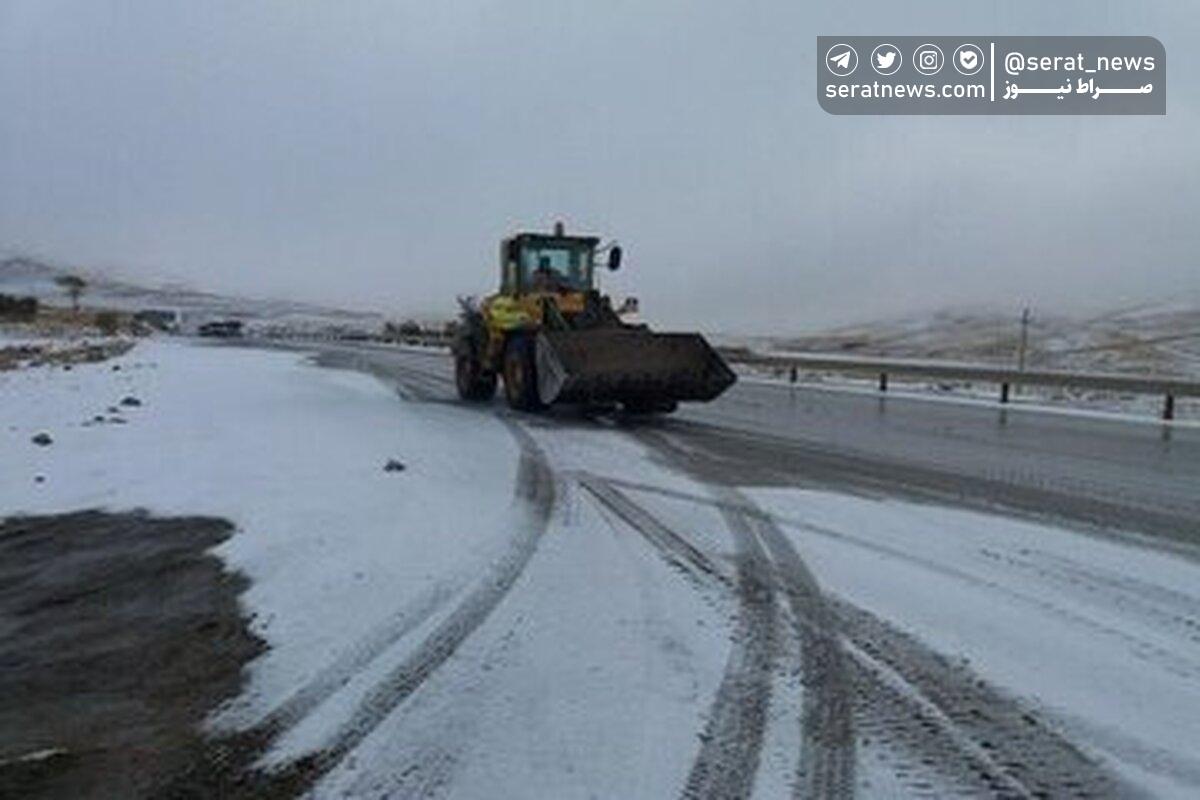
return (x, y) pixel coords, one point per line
(38, 355)
(119, 633)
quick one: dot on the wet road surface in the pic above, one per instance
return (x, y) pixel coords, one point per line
(1105, 473)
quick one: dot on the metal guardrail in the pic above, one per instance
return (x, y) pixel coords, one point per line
(1168, 387)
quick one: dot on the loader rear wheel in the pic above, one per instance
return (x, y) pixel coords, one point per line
(520, 375)
(474, 383)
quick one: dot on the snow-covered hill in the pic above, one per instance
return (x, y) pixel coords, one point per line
(1156, 338)
(26, 276)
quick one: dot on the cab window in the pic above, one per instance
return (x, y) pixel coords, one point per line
(552, 267)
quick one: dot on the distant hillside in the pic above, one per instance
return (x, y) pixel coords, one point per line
(1158, 338)
(27, 276)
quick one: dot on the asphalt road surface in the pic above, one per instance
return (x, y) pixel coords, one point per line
(1106, 473)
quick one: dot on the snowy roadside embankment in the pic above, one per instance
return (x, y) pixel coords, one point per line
(293, 454)
(18, 352)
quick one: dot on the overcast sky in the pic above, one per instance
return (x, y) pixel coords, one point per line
(372, 155)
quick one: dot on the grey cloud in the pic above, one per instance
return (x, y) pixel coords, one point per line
(371, 154)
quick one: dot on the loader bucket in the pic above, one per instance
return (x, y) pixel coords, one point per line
(628, 365)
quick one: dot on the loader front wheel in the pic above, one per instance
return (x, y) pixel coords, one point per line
(474, 383)
(520, 375)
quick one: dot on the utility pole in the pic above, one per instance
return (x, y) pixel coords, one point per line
(1024, 339)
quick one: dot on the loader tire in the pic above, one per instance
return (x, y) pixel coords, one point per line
(646, 408)
(474, 383)
(520, 375)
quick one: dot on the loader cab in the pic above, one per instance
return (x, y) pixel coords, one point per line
(536, 263)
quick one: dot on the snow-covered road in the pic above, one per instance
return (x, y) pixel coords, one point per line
(567, 606)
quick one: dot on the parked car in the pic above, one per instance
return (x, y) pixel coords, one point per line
(222, 329)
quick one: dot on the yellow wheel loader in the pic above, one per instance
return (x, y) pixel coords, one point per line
(554, 338)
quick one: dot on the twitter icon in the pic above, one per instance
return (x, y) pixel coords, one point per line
(886, 59)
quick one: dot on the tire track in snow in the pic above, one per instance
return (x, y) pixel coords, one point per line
(827, 757)
(354, 660)
(827, 760)
(413, 384)
(331, 679)
(365, 362)
(676, 550)
(535, 487)
(229, 761)
(1162, 607)
(826, 767)
(955, 725)
(1141, 647)
(731, 743)
(947, 721)
(419, 386)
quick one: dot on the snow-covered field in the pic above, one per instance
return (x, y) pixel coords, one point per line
(294, 455)
(354, 568)
(558, 608)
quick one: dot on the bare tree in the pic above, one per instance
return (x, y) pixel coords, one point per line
(74, 286)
